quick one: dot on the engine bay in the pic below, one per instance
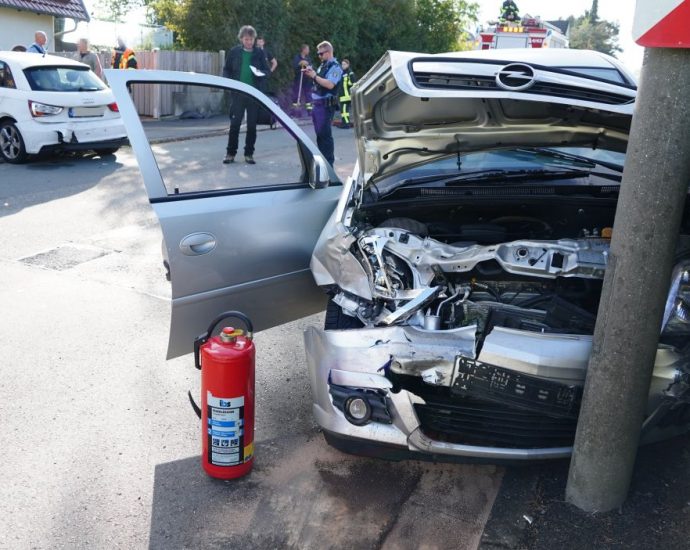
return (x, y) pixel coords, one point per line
(441, 268)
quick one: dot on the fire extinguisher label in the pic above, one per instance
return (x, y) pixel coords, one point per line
(225, 430)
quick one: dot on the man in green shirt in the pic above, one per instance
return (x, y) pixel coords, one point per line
(246, 63)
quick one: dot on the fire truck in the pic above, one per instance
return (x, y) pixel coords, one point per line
(529, 32)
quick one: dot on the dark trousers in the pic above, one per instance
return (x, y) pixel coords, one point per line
(240, 104)
(322, 116)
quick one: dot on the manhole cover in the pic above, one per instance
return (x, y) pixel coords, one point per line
(65, 257)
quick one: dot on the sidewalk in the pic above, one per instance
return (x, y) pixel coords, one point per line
(530, 509)
(176, 129)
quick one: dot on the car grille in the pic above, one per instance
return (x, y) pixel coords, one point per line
(440, 81)
(475, 422)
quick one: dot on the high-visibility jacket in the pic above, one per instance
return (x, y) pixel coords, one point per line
(124, 59)
(345, 84)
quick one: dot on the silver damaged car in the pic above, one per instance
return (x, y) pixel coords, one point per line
(464, 259)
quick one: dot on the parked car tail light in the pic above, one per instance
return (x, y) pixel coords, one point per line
(41, 109)
(113, 107)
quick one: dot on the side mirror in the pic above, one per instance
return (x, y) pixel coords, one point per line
(320, 176)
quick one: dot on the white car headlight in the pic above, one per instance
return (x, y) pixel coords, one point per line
(41, 109)
(677, 309)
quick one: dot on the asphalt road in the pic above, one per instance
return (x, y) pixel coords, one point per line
(98, 445)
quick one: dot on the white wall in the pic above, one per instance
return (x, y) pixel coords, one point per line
(18, 27)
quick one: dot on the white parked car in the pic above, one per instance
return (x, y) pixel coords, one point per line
(463, 262)
(50, 103)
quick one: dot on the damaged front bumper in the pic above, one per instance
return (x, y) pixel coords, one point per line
(427, 394)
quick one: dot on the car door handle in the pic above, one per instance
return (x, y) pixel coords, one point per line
(197, 244)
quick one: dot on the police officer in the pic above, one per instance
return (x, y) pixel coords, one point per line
(344, 92)
(324, 98)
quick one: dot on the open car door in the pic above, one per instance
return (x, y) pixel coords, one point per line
(237, 236)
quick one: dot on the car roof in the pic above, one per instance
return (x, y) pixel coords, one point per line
(23, 60)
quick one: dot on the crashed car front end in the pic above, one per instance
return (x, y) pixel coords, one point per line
(462, 314)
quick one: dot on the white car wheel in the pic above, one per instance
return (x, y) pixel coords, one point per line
(11, 144)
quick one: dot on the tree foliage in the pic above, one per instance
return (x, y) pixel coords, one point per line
(588, 32)
(361, 30)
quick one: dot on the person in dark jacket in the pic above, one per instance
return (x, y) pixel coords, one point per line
(246, 63)
(301, 87)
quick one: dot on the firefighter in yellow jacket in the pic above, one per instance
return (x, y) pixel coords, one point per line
(123, 57)
(346, 83)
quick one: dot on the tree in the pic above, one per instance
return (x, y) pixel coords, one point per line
(588, 32)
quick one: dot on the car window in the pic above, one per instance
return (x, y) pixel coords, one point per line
(6, 78)
(597, 72)
(190, 140)
(63, 79)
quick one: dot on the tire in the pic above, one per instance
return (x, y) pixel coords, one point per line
(337, 320)
(12, 148)
(107, 151)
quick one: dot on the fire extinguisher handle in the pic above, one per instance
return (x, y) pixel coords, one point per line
(199, 340)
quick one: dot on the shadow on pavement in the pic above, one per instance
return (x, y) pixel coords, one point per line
(60, 176)
(304, 494)
(530, 510)
(301, 494)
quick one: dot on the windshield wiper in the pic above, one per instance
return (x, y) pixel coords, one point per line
(511, 175)
(487, 175)
(573, 158)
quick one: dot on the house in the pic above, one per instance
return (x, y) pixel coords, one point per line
(563, 25)
(19, 19)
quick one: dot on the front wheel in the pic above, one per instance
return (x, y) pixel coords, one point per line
(12, 146)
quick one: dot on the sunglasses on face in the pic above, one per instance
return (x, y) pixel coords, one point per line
(321, 53)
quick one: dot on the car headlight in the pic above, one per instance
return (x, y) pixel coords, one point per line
(677, 308)
(41, 109)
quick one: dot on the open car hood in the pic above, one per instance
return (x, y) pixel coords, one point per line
(412, 108)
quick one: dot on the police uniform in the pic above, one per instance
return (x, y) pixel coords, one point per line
(325, 102)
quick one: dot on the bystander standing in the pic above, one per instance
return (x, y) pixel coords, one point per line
(89, 58)
(39, 45)
(246, 63)
(324, 99)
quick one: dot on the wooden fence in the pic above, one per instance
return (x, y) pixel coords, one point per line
(157, 101)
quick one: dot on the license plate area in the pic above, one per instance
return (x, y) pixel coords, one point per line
(481, 380)
(86, 112)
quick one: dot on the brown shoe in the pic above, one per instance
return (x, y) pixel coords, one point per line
(229, 159)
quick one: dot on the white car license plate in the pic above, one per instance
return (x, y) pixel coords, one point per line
(84, 112)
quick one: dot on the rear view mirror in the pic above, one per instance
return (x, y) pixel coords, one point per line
(320, 176)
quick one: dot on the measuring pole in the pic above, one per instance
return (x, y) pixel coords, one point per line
(650, 207)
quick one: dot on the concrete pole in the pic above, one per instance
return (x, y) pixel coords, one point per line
(650, 207)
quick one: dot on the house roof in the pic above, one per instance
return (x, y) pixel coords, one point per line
(561, 24)
(72, 9)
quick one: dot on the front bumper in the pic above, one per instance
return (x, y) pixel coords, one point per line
(41, 137)
(358, 359)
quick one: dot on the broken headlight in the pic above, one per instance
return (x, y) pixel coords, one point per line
(677, 308)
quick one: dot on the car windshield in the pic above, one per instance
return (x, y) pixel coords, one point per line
(63, 79)
(523, 159)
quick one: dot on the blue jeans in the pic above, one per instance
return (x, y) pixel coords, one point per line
(322, 116)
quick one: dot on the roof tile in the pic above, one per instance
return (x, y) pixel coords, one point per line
(73, 9)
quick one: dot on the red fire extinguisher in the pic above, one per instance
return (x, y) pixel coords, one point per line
(226, 362)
